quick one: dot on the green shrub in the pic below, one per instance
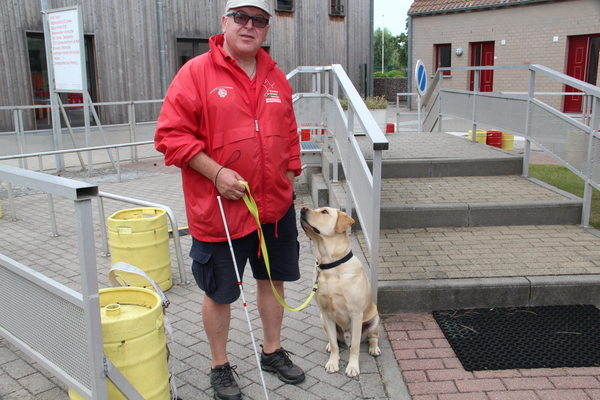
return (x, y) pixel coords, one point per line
(395, 74)
(372, 103)
(379, 74)
(375, 103)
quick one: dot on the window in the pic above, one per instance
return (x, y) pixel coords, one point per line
(337, 8)
(285, 5)
(443, 57)
(190, 48)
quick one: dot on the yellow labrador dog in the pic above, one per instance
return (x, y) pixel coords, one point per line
(344, 293)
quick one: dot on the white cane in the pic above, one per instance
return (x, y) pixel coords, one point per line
(237, 274)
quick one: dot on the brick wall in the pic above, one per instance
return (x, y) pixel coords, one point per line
(521, 35)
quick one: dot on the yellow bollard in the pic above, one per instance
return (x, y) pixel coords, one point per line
(139, 237)
(135, 341)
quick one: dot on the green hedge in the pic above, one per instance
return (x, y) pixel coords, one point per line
(391, 74)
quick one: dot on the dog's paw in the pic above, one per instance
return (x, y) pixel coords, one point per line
(332, 366)
(374, 350)
(352, 371)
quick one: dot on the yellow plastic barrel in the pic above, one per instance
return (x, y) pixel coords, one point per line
(135, 341)
(139, 237)
(508, 141)
(481, 136)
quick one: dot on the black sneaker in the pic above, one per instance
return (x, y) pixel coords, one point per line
(280, 363)
(223, 382)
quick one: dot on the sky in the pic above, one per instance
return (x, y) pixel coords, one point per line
(394, 15)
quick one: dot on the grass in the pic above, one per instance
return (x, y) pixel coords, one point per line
(562, 178)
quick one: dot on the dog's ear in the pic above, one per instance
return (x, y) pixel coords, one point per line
(344, 221)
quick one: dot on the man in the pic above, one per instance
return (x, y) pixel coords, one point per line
(228, 117)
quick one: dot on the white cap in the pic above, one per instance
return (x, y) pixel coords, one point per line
(262, 4)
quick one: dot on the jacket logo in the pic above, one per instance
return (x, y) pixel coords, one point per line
(272, 96)
(221, 90)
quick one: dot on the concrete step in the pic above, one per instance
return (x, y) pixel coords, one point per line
(475, 201)
(461, 201)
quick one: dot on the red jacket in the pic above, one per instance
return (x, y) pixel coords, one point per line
(211, 106)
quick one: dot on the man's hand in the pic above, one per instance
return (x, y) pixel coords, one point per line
(228, 185)
(226, 180)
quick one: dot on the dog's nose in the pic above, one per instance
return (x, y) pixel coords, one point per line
(304, 209)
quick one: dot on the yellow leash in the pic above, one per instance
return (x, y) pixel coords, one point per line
(253, 208)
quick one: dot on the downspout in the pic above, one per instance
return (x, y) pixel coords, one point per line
(409, 66)
(370, 69)
(161, 47)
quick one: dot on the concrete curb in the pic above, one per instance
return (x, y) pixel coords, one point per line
(419, 296)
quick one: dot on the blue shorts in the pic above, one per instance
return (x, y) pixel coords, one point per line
(212, 264)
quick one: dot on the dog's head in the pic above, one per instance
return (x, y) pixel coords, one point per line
(325, 222)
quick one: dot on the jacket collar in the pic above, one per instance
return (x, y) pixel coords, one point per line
(265, 62)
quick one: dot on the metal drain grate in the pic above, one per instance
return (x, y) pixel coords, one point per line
(523, 337)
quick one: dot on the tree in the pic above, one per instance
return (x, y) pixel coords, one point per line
(395, 51)
(402, 40)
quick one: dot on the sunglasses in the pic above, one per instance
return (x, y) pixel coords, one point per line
(242, 19)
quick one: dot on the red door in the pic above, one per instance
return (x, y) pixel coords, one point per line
(582, 64)
(482, 55)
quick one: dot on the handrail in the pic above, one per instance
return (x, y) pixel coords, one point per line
(19, 131)
(80, 328)
(355, 103)
(322, 109)
(168, 211)
(571, 142)
(78, 150)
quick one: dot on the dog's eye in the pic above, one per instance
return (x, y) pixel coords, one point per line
(324, 212)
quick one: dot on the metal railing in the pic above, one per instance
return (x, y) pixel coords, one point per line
(322, 110)
(103, 231)
(21, 134)
(574, 142)
(72, 349)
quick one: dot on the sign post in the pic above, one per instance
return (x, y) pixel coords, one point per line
(421, 77)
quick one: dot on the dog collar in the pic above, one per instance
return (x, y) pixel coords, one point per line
(336, 263)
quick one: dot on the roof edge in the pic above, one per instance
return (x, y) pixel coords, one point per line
(478, 8)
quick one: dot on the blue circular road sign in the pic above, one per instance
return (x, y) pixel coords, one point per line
(421, 76)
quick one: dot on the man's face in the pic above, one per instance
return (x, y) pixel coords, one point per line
(244, 40)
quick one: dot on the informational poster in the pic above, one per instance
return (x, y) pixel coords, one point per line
(66, 48)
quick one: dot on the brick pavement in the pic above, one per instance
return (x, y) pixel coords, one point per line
(432, 371)
(29, 241)
(486, 252)
(464, 189)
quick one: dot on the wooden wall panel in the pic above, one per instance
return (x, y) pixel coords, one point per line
(126, 48)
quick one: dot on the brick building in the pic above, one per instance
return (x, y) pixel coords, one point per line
(563, 35)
